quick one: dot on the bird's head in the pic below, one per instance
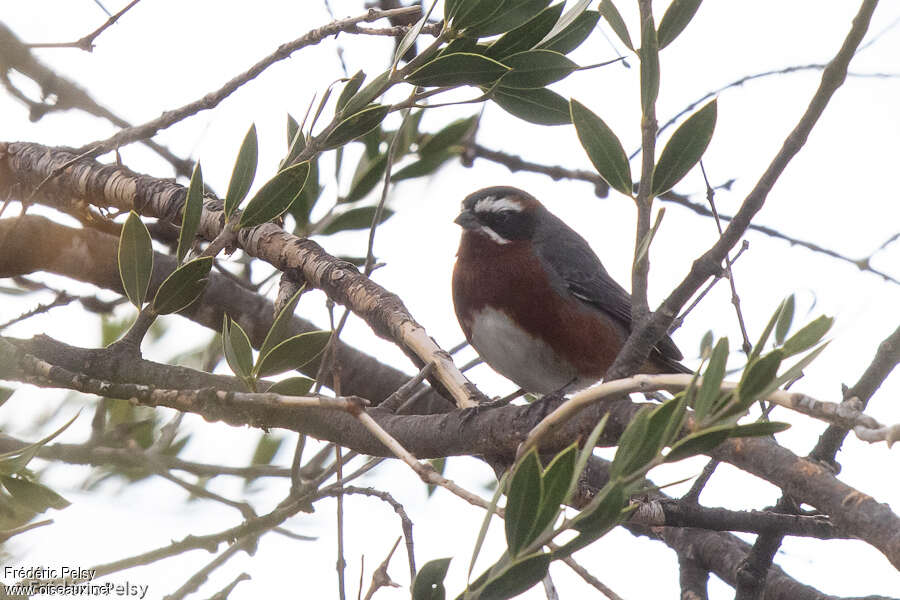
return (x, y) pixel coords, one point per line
(502, 214)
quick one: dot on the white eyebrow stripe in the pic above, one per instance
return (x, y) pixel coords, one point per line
(495, 204)
(493, 235)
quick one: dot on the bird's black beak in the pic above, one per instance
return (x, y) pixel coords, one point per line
(467, 220)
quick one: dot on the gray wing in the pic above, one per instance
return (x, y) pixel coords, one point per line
(567, 255)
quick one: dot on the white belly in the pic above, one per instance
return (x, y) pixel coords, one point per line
(518, 356)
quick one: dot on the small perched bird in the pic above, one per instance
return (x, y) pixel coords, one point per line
(535, 301)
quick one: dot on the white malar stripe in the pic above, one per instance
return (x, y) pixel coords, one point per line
(495, 204)
(493, 235)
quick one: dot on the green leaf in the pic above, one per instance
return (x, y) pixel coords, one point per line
(585, 454)
(486, 521)
(266, 449)
(698, 442)
(429, 581)
(236, 347)
(243, 173)
(526, 36)
(512, 14)
(408, 132)
(182, 286)
(190, 212)
(135, 259)
(664, 424)
(542, 107)
(517, 577)
(424, 166)
(574, 34)
(759, 429)
(675, 19)
(281, 326)
(368, 173)
(350, 88)
(808, 336)
(363, 97)
(296, 144)
(614, 18)
(536, 68)
(567, 19)
(409, 39)
(523, 501)
(712, 381)
(452, 134)
(684, 150)
(757, 378)
(602, 513)
(438, 464)
(276, 196)
(356, 218)
(472, 12)
(33, 495)
(14, 461)
(5, 394)
(461, 68)
(785, 318)
(764, 336)
(794, 371)
(356, 126)
(292, 353)
(462, 44)
(649, 55)
(292, 386)
(303, 204)
(633, 451)
(555, 484)
(292, 128)
(602, 147)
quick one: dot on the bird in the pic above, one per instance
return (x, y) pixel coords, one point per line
(535, 301)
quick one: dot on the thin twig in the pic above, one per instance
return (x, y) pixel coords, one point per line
(87, 42)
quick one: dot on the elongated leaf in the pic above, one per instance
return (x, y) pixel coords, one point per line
(698, 442)
(452, 134)
(795, 371)
(535, 69)
(663, 425)
(759, 429)
(356, 218)
(526, 36)
(5, 392)
(808, 336)
(409, 39)
(602, 147)
(363, 97)
(356, 126)
(182, 286)
(712, 380)
(461, 68)
(486, 521)
(633, 451)
(408, 133)
(350, 88)
(237, 349)
(280, 328)
(135, 259)
(243, 173)
(190, 212)
(569, 17)
(675, 19)
(425, 166)
(542, 107)
(303, 204)
(758, 376)
(275, 196)
(292, 353)
(292, 386)
(463, 44)
(368, 173)
(33, 495)
(766, 332)
(14, 461)
(684, 150)
(471, 12)
(296, 144)
(439, 465)
(517, 577)
(649, 55)
(555, 484)
(429, 581)
(523, 501)
(602, 513)
(785, 318)
(574, 34)
(614, 18)
(512, 14)
(585, 454)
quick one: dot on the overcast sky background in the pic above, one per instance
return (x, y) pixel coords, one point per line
(839, 193)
